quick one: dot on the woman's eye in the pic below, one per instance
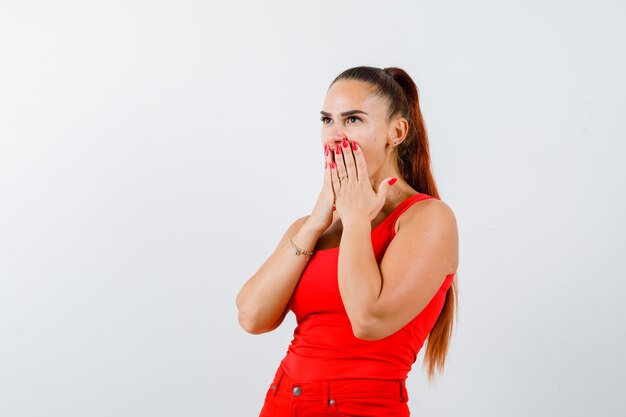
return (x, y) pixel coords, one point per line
(324, 118)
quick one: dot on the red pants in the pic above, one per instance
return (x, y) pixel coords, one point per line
(348, 397)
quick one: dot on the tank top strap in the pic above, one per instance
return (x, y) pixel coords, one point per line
(403, 206)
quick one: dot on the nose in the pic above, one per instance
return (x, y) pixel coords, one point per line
(334, 140)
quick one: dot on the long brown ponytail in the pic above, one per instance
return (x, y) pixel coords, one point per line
(400, 90)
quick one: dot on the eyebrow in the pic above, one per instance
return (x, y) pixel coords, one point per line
(345, 113)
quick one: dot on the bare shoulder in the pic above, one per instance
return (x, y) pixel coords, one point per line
(428, 211)
(430, 218)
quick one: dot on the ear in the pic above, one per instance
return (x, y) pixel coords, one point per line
(398, 129)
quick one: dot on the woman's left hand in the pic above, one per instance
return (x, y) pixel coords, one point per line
(355, 199)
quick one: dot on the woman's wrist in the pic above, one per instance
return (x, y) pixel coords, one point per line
(311, 229)
(357, 222)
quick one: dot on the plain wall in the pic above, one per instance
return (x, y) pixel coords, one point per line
(152, 154)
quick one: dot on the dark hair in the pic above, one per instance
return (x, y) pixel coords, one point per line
(413, 158)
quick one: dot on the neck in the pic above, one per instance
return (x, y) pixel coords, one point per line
(397, 193)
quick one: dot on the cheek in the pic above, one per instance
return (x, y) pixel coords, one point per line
(370, 161)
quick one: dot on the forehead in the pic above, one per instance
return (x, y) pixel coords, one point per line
(352, 94)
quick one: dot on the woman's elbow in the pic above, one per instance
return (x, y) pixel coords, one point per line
(367, 335)
(246, 317)
(249, 324)
(368, 329)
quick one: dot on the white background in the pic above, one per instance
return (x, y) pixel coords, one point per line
(152, 153)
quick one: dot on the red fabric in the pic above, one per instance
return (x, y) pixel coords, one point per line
(287, 397)
(324, 347)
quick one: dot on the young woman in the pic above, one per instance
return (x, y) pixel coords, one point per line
(370, 273)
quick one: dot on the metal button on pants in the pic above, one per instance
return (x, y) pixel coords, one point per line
(287, 397)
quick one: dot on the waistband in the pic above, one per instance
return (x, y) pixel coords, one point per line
(335, 389)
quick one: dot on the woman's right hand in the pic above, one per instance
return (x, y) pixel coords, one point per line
(263, 300)
(322, 215)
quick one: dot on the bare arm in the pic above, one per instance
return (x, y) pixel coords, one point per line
(262, 301)
(380, 301)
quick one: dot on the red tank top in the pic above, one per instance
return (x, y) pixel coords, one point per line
(323, 345)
